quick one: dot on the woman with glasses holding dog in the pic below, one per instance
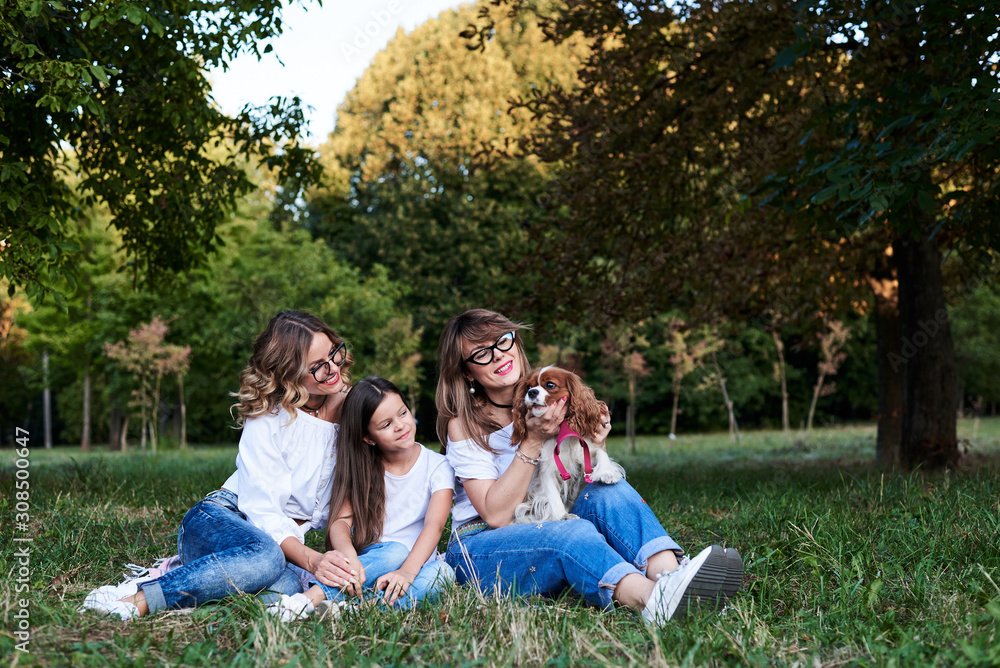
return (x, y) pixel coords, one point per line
(249, 535)
(616, 552)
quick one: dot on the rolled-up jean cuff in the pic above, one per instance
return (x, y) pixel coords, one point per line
(154, 595)
(606, 585)
(655, 546)
(332, 593)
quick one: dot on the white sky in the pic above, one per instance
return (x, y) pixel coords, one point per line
(324, 50)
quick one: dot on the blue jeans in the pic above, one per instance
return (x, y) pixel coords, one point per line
(382, 558)
(223, 554)
(615, 536)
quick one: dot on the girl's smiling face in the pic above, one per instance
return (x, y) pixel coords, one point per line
(392, 428)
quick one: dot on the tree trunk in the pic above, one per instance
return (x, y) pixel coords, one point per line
(183, 411)
(142, 430)
(890, 376)
(124, 442)
(630, 415)
(927, 358)
(812, 406)
(734, 429)
(85, 434)
(114, 426)
(677, 401)
(46, 401)
(780, 345)
(154, 418)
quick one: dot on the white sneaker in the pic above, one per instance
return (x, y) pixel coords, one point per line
(120, 609)
(105, 594)
(291, 608)
(694, 582)
(327, 609)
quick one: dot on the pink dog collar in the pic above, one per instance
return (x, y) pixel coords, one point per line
(565, 431)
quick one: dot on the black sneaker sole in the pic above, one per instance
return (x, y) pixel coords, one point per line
(705, 590)
(734, 575)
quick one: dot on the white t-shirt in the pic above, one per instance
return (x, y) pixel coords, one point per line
(284, 472)
(407, 496)
(473, 463)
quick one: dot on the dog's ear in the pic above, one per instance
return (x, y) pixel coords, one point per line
(585, 411)
(520, 412)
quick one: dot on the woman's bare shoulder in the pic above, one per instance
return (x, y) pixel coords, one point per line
(456, 430)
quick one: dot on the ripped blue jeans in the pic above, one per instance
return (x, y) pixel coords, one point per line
(616, 535)
(223, 554)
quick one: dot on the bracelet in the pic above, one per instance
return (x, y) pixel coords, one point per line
(525, 458)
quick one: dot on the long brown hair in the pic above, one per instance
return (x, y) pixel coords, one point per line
(359, 477)
(453, 399)
(278, 364)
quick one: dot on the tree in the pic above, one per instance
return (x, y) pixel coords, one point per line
(856, 126)
(148, 358)
(976, 321)
(622, 352)
(686, 356)
(117, 93)
(407, 186)
(917, 157)
(832, 356)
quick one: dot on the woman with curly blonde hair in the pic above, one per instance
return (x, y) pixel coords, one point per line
(249, 536)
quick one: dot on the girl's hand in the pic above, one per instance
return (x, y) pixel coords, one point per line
(395, 585)
(600, 437)
(356, 582)
(334, 569)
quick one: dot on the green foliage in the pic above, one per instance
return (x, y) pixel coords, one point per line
(218, 313)
(411, 188)
(975, 322)
(117, 95)
(917, 119)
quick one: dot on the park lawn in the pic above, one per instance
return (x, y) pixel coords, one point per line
(845, 565)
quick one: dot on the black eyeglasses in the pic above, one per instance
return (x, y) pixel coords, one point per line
(485, 355)
(323, 371)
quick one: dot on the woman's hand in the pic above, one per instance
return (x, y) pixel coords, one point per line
(336, 569)
(600, 437)
(395, 585)
(543, 427)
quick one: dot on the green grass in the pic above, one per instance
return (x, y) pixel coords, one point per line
(845, 565)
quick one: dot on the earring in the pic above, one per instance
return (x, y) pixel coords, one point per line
(472, 387)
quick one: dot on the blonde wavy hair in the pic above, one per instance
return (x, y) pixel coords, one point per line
(279, 364)
(453, 399)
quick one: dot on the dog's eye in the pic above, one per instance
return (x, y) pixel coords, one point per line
(550, 385)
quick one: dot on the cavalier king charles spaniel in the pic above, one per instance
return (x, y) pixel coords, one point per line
(564, 465)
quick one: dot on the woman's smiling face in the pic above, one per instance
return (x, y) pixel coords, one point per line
(320, 351)
(501, 373)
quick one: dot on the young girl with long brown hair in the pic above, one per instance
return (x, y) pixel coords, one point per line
(390, 502)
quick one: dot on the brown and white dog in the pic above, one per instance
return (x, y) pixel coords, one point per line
(563, 466)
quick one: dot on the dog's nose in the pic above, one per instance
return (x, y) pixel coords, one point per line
(532, 393)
